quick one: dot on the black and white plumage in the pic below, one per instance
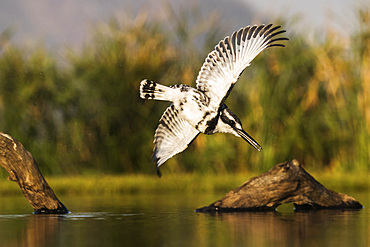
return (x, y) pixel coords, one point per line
(202, 109)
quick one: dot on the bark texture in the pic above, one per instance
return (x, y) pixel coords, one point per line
(284, 183)
(22, 168)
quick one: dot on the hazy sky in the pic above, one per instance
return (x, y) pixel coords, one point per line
(69, 22)
(338, 15)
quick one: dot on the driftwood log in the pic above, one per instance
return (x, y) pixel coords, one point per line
(22, 168)
(284, 183)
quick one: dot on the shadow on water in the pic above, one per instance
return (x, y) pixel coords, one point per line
(170, 220)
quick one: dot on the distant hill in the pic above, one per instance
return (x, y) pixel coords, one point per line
(69, 22)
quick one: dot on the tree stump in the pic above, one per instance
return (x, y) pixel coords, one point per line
(285, 183)
(22, 168)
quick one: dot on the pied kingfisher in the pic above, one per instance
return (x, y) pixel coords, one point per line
(202, 109)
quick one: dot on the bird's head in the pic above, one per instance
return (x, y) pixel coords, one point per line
(229, 123)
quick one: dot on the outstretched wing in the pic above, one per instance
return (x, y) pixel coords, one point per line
(172, 136)
(231, 56)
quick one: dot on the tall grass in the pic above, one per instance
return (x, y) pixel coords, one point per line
(218, 184)
(306, 101)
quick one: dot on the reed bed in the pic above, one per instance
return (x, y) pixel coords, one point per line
(308, 101)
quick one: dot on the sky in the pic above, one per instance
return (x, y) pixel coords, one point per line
(59, 24)
(315, 15)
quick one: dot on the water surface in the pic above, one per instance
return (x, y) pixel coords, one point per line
(170, 220)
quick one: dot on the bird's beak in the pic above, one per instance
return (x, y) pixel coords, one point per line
(248, 138)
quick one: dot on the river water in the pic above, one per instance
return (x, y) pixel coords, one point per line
(170, 220)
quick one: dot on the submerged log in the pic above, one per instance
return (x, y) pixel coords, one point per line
(22, 168)
(285, 183)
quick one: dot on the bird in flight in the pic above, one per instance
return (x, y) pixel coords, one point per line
(202, 109)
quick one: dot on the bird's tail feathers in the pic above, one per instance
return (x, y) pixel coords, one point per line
(152, 90)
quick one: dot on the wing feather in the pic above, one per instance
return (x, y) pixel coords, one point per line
(223, 65)
(172, 136)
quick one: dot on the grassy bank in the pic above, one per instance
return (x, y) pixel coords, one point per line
(176, 183)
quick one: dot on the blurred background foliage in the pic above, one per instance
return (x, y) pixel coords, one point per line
(309, 101)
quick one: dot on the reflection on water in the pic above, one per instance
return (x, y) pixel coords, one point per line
(319, 228)
(169, 220)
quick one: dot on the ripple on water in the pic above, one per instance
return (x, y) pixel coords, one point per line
(99, 215)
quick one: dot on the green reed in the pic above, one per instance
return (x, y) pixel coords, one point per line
(308, 101)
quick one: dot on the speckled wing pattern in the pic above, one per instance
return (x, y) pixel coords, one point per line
(173, 135)
(231, 56)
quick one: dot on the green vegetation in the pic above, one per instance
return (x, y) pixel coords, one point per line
(306, 101)
(187, 183)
